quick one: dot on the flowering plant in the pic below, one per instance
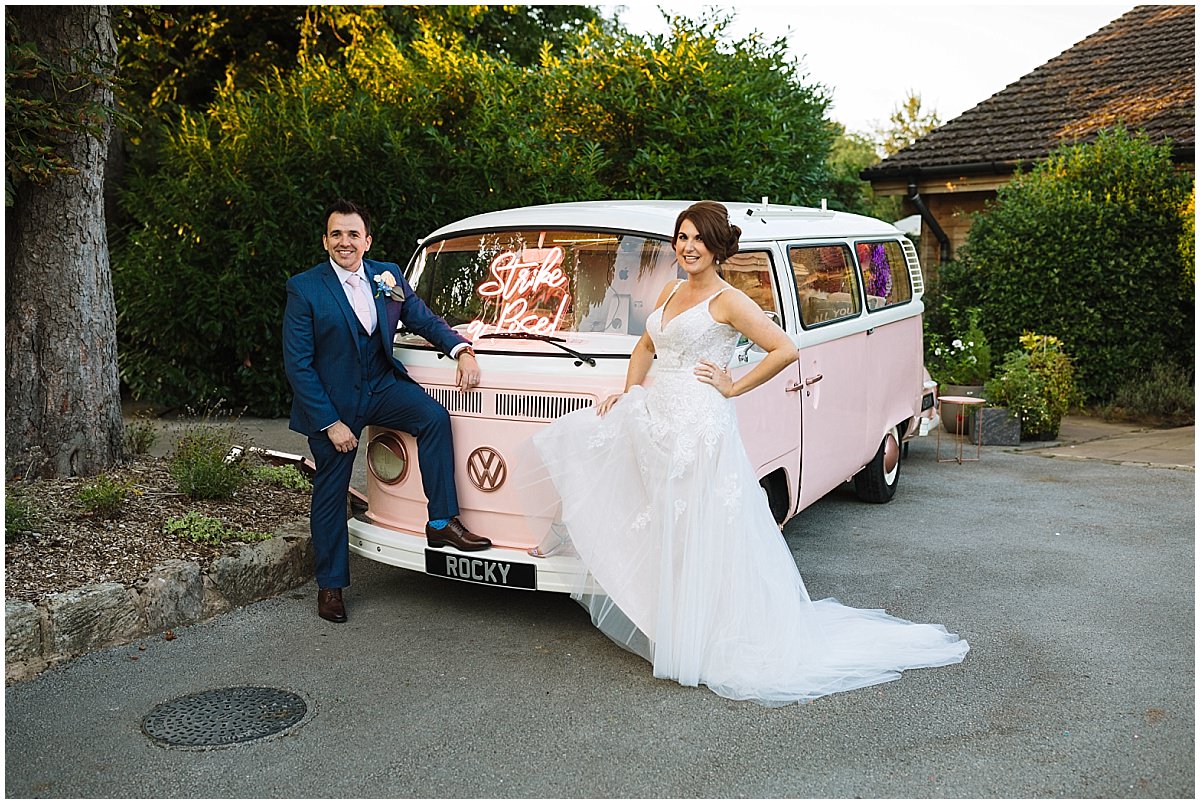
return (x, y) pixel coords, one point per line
(965, 359)
(1037, 381)
(1049, 360)
(385, 284)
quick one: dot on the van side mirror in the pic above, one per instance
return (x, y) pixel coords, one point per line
(741, 352)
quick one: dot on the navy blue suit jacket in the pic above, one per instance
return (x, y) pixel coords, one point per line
(320, 342)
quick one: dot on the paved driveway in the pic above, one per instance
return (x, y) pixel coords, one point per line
(1072, 580)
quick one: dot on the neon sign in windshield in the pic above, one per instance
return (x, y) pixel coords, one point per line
(541, 282)
(525, 285)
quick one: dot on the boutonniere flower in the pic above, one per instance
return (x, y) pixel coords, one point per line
(385, 284)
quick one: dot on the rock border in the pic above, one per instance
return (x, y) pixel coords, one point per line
(70, 624)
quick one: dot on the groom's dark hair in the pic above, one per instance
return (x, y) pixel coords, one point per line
(344, 207)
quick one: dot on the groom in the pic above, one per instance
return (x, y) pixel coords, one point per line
(338, 326)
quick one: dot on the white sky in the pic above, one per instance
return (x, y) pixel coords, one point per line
(870, 54)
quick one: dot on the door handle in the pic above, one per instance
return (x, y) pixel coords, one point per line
(793, 387)
(813, 380)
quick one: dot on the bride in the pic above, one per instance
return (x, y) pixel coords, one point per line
(684, 563)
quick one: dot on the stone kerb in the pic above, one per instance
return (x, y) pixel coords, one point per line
(175, 593)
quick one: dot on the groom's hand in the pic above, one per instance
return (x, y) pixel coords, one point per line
(468, 371)
(342, 438)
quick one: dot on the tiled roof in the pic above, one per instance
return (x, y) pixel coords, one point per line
(1139, 70)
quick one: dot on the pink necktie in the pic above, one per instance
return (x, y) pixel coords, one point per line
(362, 304)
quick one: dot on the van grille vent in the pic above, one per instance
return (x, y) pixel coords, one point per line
(538, 406)
(914, 267)
(456, 401)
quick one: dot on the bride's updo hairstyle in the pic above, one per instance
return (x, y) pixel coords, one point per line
(711, 220)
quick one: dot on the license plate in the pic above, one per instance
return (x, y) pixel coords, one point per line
(480, 570)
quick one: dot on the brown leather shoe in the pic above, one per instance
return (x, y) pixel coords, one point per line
(330, 606)
(456, 535)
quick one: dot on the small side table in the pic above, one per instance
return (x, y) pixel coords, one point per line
(970, 406)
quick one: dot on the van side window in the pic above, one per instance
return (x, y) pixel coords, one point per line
(750, 272)
(885, 273)
(826, 283)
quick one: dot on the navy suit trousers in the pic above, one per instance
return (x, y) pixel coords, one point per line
(399, 405)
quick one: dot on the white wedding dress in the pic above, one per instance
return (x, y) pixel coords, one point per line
(685, 564)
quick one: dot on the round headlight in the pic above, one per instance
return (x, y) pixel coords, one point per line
(387, 458)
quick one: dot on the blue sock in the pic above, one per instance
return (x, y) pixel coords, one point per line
(438, 524)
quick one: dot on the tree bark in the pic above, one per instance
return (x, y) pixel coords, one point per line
(62, 388)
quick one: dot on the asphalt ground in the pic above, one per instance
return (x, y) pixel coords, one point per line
(1073, 580)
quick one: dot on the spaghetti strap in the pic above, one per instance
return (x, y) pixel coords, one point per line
(718, 293)
(662, 310)
(671, 295)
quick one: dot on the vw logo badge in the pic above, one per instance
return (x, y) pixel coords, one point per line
(486, 469)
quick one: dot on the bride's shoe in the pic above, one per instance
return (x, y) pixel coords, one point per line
(554, 543)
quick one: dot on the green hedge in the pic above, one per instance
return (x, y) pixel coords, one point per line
(424, 134)
(1088, 246)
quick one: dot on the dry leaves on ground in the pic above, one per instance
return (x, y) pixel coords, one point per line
(69, 549)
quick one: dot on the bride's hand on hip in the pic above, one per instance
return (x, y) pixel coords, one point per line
(605, 406)
(716, 376)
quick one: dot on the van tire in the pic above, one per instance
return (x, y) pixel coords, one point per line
(874, 483)
(774, 486)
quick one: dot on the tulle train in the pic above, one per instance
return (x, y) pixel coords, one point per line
(683, 564)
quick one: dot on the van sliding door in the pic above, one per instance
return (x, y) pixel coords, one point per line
(834, 392)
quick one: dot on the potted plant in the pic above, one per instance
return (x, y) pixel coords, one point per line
(961, 364)
(1051, 362)
(1019, 392)
(1038, 383)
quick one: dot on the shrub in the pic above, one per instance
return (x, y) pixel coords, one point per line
(21, 515)
(963, 357)
(1165, 393)
(1054, 366)
(1037, 382)
(104, 497)
(203, 466)
(196, 527)
(1089, 244)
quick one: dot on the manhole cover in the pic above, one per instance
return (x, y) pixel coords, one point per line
(222, 717)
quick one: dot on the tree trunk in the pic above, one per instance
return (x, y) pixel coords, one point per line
(62, 389)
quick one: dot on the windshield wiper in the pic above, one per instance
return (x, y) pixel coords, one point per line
(550, 339)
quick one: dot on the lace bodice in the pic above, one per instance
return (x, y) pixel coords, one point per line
(683, 415)
(689, 337)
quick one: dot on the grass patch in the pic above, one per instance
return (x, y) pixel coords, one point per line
(200, 529)
(287, 477)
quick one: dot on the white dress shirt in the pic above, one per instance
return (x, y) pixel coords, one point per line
(369, 285)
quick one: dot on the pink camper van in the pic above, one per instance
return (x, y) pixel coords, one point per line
(555, 297)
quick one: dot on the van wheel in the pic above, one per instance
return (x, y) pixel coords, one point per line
(876, 482)
(774, 486)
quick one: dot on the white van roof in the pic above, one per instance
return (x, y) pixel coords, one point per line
(758, 222)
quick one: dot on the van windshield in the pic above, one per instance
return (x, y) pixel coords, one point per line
(544, 281)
